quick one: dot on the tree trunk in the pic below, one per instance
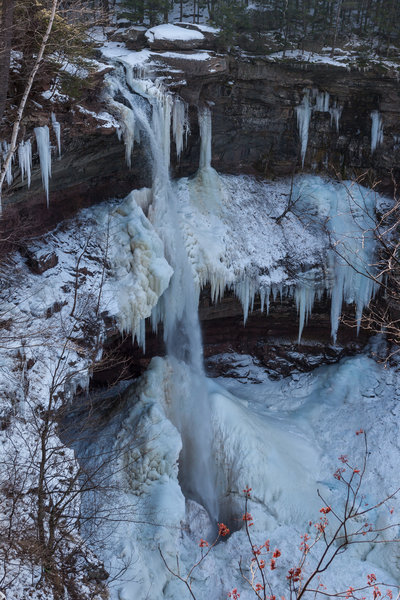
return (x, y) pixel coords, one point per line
(20, 112)
(6, 26)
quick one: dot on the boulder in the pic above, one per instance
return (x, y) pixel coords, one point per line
(41, 260)
(173, 37)
(133, 37)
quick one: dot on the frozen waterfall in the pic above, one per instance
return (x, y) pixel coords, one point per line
(150, 111)
(376, 130)
(316, 101)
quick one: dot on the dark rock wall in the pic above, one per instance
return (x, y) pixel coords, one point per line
(254, 131)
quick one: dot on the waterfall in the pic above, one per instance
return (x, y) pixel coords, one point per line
(376, 130)
(152, 110)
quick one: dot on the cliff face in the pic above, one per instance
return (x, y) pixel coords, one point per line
(254, 119)
(253, 102)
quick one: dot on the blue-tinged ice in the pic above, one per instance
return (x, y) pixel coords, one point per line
(376, 130)
(25, 160)
(303, 112)
(44, 149)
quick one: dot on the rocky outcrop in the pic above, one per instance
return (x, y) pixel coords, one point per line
(271, 339)
(253, 102)
(255, 127)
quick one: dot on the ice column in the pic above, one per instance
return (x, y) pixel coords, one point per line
(336, 113)
(44, 149)
(57, 131)
(205, 138)
(376, 130)
(180, 125)
(321, 101)
(303, 122)
(25, 160)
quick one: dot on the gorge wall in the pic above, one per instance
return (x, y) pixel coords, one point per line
(253, 102)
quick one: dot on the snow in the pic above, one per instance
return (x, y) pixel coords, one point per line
(173, 32)
(107, 120)
(283, 439)
(200, 55)
(310, 57)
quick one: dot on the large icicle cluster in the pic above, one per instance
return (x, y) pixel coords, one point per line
(25, 160)
(315, 101)
(340, 216)
(24, 152)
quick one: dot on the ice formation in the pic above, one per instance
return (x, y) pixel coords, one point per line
(25, 160)
(150, 109)
(44, 149)
(180, 125)
(321, 100)
(57, 131)
(376, 130)
(303, 112)
(336, 113)
(317, 101)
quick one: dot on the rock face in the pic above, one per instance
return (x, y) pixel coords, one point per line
(270, 339)
(255, 125)
(253, 102)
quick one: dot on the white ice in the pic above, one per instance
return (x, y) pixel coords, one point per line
(303, 112)
(376, 130)
(25, 160)
(44, 150)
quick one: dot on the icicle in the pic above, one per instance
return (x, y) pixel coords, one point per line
(303, 112)
(44, 150)
(205, 124)
(336, 113)
(180, 125)
(376, 130)
(57, 131)
(322, 101)
(245, 290)
(25, 160)
(305, 297)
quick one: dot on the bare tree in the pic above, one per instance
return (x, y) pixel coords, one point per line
(28, 87)
(6, 30)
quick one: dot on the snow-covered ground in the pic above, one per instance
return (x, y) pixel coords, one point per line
(283, 440)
